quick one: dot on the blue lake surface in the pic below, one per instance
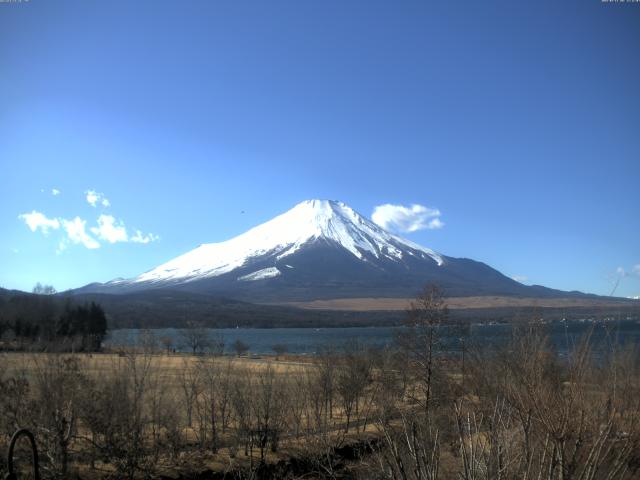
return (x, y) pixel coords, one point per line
(309, 341)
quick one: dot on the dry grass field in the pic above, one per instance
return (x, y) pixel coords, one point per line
(246, 396)
(454, 303)
(507, 412)
(170, 367)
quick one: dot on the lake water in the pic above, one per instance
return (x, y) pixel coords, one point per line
(308, 341)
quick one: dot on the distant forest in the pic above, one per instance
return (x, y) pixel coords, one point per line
(43, 320)
(44, 316)
(176, 309)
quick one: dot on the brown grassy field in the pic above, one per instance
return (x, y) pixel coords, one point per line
(171, 366)
(455, 303)
(173, 377)
(503, 412)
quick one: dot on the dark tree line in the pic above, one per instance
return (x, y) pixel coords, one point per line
(44, 320)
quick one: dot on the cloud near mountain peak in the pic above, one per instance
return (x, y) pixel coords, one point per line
(400, 218)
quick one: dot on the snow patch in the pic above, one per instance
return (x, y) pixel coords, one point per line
(260, 275)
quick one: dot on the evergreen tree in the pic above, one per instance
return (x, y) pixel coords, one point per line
(97, 325)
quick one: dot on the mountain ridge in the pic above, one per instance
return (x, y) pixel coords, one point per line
(320, 249)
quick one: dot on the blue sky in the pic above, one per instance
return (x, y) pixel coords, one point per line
(518, 121)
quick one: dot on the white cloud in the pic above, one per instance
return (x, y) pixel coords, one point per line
(55, 192)
(74, 229)
(112, 231)
(108, 230)
(406, 219)
(520, 278)
(622, 272)
(93, 198)
(435, 223)
(140, 238)
(36, 220)
(76, 233)
(62, 245)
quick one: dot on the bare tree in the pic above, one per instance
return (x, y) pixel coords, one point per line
(41, 289)
(352, 378)
(167, 342)
(240, 347)
(280, 349)
(326, 379)
(57, 383)
(299, 402)
(421, 338)
(15, 390)
(198, 339)
(213, 399)
(224, 387)
(147, 341)
(553, 419)
(116, 414)
(216, 344)
(269, 405)
(411, 437)
(241, 398)
(411, 450)
(189, 386)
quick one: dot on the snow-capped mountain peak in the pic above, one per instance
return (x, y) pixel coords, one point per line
(320, 249)
(313, 220)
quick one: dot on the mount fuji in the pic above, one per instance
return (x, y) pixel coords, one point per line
(320, 249)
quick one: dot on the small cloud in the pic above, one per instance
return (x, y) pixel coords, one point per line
(36, 220)
(76, 233)
(55, 192)
(520, 278)
(15, 250)
(93, 198)
(435, 224)
(140, 238)
(113, 231)
(62, 245)
(407, 219)
(622, 272)
(108, 230)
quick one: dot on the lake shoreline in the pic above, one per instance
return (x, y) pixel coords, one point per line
(301, 340)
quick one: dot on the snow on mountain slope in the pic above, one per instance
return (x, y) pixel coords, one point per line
(262, 274)
(284, 235)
